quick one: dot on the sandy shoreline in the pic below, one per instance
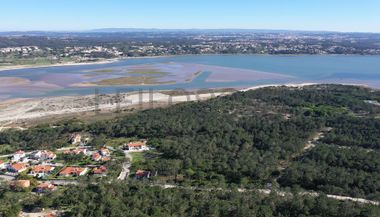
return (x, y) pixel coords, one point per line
(26, 110)
(15, 67)
(105, 61)
(21, 110)
(278, 85)
(16, 111)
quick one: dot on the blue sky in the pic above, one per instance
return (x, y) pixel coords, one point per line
(335, 15)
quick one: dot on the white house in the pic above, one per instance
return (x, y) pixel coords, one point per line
(138, 146)
(18, 155)
(41, 170)
(105, 152)
(45, 155)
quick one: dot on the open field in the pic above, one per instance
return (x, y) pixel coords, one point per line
(137, 157)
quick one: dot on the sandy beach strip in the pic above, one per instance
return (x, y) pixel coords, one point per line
(105, 61)
(297, 85)
(28, 109)
(17, 110)
(9, 102)
(22, 110)
(15, 67)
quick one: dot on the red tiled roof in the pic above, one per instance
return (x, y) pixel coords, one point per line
(141, 173)
(136, 144)
(106, 159)
(100, 170)
(79, 151)
(42, 168)
(18, 166)
(104, 150)
(72, 171)
(96, 156)
(48, 153)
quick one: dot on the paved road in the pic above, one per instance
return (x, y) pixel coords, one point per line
(64, 182)
(126, 165)
(269, 191)
(11, 155)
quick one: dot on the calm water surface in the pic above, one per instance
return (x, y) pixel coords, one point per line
(321, 69)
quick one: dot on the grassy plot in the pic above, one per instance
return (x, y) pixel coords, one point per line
(138, 157)
(327, 110)
(148, 161)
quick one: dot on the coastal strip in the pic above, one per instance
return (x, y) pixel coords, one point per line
(72, 106)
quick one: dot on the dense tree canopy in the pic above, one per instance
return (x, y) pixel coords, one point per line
(248, 139)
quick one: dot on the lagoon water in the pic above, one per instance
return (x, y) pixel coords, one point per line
(50, 81)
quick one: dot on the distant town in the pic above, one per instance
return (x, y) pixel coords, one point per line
(47, 47)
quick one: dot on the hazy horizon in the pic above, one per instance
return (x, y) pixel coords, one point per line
(147, 29)
(296, 15)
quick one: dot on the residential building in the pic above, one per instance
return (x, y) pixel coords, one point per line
(73, 171)
(105, 152)
(105, 158)
(18, 155)
(100, 171)
(96, 157)
(41, 170)
(76, 151)
(17, 167)
(142, 174)
(79, 151)
(45, 155)
(138, 146)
